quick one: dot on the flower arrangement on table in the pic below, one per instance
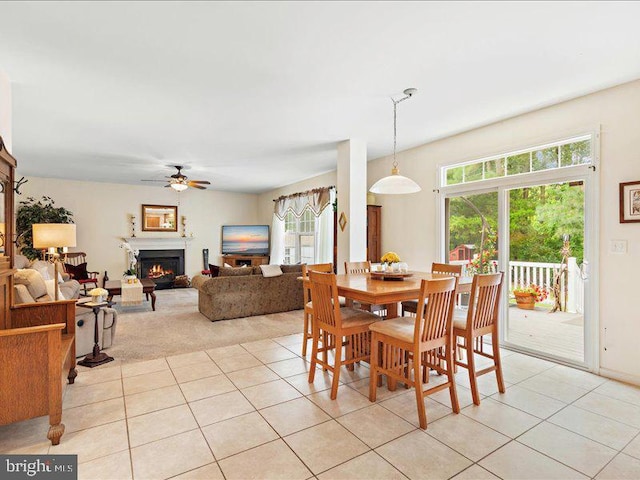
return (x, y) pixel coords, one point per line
(98, 295)
(540, 293)
(390, 257)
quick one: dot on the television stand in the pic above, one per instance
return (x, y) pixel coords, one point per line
(248, 260)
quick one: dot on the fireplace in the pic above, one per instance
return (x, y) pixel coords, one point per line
(162, 266)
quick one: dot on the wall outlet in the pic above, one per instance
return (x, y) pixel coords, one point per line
(618, 246)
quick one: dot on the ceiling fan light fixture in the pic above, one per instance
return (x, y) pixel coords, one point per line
(179, 187)
(396, 184)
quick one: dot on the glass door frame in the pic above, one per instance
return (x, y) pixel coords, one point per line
(589, 174)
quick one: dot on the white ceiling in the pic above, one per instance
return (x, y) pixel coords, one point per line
(253, 96)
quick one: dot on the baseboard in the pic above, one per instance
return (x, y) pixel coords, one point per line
(623, 377)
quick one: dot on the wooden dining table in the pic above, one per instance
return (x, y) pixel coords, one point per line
(362, 288)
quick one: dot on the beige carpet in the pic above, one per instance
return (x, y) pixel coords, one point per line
(177, 327)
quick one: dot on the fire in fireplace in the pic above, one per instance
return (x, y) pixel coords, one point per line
(162, 266)
(158, 271)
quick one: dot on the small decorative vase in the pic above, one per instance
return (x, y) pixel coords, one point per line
(525, 301)
(130, 278)
(395, 267)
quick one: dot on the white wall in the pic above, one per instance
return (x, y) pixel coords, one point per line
(265, 200)
(101, 212)
(5, 110)
(409, 226)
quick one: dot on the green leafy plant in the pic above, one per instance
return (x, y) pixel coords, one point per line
(130, 271)
(31, 211)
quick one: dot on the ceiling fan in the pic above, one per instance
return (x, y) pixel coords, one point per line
(179, 182)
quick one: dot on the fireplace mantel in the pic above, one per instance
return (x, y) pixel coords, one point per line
(158, 243)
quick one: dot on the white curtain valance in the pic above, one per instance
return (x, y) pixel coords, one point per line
(315, 200)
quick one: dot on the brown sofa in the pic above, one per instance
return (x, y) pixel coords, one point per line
(245, 293)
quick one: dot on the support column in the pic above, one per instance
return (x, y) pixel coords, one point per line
(5, 110)
(352, 201)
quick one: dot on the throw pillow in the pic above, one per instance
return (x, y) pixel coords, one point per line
(214, 269)
(32, 280)
(271, 270)
(51, 292)
(226, 265)
(77, 272)
(234, 272)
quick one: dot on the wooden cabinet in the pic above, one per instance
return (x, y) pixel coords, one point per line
(374, 249)
(248, 260)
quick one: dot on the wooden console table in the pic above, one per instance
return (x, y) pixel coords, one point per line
(248, 260)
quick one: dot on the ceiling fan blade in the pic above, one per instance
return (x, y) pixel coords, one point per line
(204, 182)
(167, 186)
(196, 186)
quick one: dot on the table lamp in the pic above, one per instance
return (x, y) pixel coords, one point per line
(53, 236)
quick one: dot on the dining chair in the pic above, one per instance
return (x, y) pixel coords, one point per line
(399, 346)
(351, 268)
(481, 319)
(308, 304)
(337, 327)
(412, 305)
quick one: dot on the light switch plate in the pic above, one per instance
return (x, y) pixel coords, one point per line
(618, 246)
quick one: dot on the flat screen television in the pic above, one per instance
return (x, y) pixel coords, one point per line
(245, 239)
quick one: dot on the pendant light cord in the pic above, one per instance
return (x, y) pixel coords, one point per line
(395, 127)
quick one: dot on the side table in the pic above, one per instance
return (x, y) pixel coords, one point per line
(96, 357)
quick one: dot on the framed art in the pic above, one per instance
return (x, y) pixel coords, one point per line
(630, 202)
(159, 218)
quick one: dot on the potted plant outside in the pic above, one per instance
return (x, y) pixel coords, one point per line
(526, 297)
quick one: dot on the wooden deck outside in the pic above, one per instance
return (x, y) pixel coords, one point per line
(560, 333)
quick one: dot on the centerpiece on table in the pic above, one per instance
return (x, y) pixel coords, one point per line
(98, 295)
(528, 296)
(390, 261)
(131, 274)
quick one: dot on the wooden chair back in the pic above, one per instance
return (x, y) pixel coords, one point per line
(75, 258)
(455, 270)
(326, 305)
(484, 301)
(318, 267)
(435, 325)
(357, 267)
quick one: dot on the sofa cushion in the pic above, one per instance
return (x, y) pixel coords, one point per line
(269, 271)
(77, 272)
(21, 294)
(234, 272)
(50, 284)
(20, 261)
(291, 268)
(33, 280)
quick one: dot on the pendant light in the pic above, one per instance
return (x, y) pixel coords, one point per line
(396, 184)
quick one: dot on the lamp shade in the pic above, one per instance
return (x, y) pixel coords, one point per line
(395, 184)
(48, 235)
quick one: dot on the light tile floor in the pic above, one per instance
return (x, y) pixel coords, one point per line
(247, 411)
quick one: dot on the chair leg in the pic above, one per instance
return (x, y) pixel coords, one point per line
(453, 392)
(314, 354)
(326, 345)
(498, 363)
(305, 333)
(422, 412)
(373, 369)
(336, 371)
(471, 367)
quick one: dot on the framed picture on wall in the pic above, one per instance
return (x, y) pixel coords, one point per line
(630, 202)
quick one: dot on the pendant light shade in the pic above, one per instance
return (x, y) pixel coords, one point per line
(396, 184)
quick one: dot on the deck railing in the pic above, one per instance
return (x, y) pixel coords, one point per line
(522, 274)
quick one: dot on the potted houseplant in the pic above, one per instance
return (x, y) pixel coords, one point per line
(527, 296)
